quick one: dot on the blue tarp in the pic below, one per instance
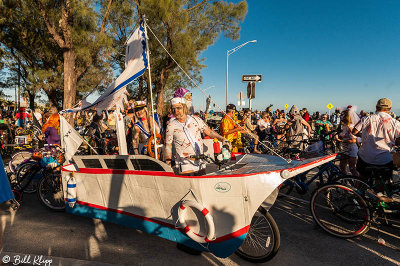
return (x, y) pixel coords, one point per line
(5, 189)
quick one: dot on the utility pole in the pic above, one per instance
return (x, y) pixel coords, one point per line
(19, 87)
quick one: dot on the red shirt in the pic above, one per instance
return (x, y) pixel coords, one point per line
(24, 115)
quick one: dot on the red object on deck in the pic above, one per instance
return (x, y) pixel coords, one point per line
(217, 148)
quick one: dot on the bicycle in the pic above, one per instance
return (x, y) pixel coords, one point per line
(348, 210)
(327, 173)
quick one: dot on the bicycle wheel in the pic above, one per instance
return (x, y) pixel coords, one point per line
(17, 159)
(354, 183)
(27, 176)
(340, 211)
(50, 192)
(263, 239)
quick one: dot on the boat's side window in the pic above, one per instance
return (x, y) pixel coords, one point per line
(116, 164)
(146, 165)
(92, 163)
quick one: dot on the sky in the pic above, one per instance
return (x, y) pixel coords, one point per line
(310, 53)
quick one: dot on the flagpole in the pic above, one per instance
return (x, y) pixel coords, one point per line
(150, 87)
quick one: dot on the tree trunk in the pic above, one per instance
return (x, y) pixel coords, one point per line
(160, 89)
(31, 100)
(70, 79)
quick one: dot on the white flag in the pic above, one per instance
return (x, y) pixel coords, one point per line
(70, 139)
(136, 65)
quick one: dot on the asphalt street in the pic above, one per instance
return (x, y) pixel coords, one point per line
(72, 240)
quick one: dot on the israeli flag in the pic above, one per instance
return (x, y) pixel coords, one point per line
(5, 189)
(136, 64)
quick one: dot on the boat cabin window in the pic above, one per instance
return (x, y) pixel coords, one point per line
(146, 165)
(116, 164)
(92, 163)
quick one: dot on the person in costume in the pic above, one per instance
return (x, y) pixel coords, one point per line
(184, 132)
(143, 128)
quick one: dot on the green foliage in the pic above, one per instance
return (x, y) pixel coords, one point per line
(186, 28)
(35, 37)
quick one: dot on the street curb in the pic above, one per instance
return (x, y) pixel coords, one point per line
(11, 258)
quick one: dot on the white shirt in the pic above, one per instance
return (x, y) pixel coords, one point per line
(176, 135)
(379, 132)
(263, 124)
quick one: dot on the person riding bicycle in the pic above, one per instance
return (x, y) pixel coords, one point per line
(184, 132)
(323, 127)
(143, 128)
(250, 129)
(297, 128)
(230, 130)
(348, 141)
(379, 133)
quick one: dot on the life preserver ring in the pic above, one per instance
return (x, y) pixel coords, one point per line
(209, 219)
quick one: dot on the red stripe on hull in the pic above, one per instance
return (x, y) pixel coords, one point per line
(238, 233)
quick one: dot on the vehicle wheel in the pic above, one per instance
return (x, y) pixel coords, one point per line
(50, 192)
(340, 211)
(27, 177)
(263, 239)
(18, 158)
(354, 183)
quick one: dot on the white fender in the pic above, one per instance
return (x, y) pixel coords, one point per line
(209, 219)
(71, 191)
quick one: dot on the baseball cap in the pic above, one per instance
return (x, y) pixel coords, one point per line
(384, 103)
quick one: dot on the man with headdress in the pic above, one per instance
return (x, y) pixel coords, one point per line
(187, 95)
(296, 128)
(184, 132)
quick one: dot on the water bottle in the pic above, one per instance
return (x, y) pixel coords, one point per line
(225, 152)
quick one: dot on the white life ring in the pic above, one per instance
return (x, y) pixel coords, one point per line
(210, 222)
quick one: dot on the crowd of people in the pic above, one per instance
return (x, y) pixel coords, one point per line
(182, 130)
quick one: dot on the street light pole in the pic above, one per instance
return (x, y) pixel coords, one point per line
(229, 52)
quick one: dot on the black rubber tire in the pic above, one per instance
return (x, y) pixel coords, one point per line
(340, 211)
(50, 192)
(25, 177)
(17, 158)
(271, 239)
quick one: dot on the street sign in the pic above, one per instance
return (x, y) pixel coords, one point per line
(286, 106)
(241, 103)
(241, 96)
(251, 78)
(329, 106)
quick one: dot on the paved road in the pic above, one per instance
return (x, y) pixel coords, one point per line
(73, 240)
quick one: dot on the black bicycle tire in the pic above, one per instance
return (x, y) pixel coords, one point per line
(27, 177)
(276, 240)
(43, 201)
(10, 163)
(361, 203)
